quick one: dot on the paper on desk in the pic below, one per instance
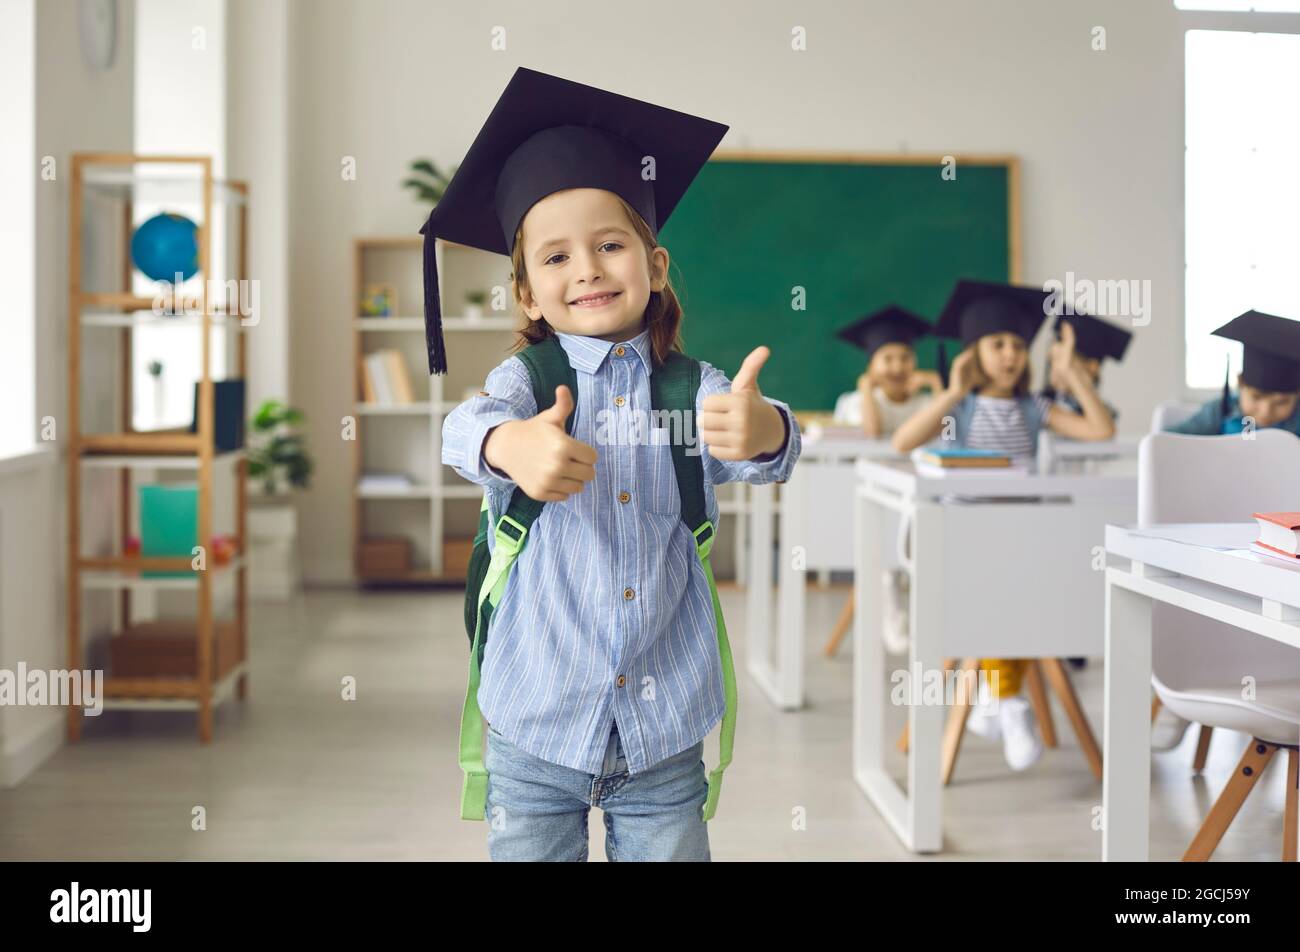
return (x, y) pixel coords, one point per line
(1220, 536)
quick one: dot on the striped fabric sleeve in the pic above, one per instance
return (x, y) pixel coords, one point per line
(507, 395)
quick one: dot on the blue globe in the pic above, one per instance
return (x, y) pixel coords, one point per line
(165, 245)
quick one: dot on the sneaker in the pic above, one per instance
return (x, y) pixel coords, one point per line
(1168, 730)
(1020, 742)
(894, 620)
(985, 721)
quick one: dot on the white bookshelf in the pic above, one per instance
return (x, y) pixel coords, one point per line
(438, 507)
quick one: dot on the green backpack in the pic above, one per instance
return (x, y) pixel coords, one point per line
(673, 386)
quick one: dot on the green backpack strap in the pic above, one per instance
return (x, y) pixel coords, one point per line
(548, 367)
(674, 386)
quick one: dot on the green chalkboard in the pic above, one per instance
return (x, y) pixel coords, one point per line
(855, 235)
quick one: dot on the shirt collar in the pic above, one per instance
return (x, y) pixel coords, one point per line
(588, 353)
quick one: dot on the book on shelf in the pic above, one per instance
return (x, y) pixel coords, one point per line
(958, 457)
(1279, 534)
(384, 378)
(384, 482)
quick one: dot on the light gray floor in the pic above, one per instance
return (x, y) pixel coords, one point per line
(299, 773)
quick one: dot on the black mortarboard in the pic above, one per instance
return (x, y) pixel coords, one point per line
(1271, 350)
(546, 134)
(890, 325)
(977, 308)
(1094, 337)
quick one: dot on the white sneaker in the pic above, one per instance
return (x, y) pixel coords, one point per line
(894, 621)
(1168, 730)
(1020, 742)
(985, 721)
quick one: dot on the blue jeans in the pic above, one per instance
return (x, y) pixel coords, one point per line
(537, 810)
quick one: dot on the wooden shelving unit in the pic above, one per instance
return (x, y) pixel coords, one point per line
(439, 512)
(126, 183)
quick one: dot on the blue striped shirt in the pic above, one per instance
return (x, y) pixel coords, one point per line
(570, 657)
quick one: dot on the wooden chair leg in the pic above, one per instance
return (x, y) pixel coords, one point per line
(1155, 706)
(955, 729)
(1038, 698)
(1292, 816)
(1064, 688)
(1257, 756)
(903, 737)
(1202, 748)
(841, 626)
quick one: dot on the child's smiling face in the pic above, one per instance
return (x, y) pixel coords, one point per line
(1002, 359)
(587, 271)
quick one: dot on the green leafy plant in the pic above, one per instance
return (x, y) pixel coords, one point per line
(476, 297)
(276, 450)
(426, 181)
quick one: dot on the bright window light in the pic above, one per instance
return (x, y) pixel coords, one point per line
(1255, 6)
(1242, 196)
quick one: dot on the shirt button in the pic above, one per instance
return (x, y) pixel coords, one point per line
(621, 680)
(624, 497)
(629, 594)
(619, 351)
(619, 401)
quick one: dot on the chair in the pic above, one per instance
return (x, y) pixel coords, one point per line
(1198, 664)
(1171, 413)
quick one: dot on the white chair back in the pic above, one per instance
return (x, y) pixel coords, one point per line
(1215, 479)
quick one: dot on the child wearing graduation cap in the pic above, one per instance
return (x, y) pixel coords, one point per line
(1095, 340)
(1268, 385)
(889, 391)
(989, 403)
(605, 669)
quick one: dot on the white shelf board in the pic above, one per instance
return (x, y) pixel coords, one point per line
(218, 321)
(221, 691)
(419, 408)
(128, 461)
(408, 492)
(114, 579)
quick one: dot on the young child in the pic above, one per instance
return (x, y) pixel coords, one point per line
(889, 391)
(604, 670)
(1095, 340)
(1268, 394)
(988, 400)
(1268, 385)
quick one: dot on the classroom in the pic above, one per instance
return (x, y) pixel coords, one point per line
(944, 505)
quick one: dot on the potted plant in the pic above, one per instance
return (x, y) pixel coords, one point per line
(278, 463)
(474, 301)
(426, 181)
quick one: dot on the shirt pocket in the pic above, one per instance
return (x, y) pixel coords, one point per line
(656, 475)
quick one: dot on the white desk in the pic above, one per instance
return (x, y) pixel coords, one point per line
(1012, 579)
(815, 505)
(1253, 592)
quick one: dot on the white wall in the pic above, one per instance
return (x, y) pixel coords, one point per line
(78, 109)
(1099, 135)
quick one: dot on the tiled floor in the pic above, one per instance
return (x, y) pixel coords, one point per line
(297, 772)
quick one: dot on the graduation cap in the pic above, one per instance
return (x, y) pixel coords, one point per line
(546, 134)
(1270, 350)
(977, 308)
(890, 325)
(1094, 337)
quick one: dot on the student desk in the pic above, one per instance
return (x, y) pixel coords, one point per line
(1237, 587)
(815, 504)
(1005, 578)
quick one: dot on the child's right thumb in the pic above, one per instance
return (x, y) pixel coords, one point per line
(563, 406)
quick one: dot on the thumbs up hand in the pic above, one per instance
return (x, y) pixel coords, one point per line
(741, 425)
(547, 463)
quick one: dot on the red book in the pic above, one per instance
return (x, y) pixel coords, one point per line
(1279, 532)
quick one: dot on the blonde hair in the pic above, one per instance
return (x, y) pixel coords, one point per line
(663, 312)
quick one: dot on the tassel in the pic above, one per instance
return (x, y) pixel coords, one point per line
(941, 363)
(1048, 390)
(432, 309)
(1226, 404)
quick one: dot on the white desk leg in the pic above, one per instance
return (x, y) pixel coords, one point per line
(870, 698)
(792, 591)
(758, 595)
(926, 721)
(1126, 783)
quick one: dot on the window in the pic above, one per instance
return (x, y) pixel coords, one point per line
(18, 180)
(1242, 195)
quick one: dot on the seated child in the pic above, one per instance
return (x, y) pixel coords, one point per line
(1094, 341)
(989, 405)
(889, 390)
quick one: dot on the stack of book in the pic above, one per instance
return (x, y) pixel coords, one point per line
(1279, 535)
(941, 461)
(384, 378)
